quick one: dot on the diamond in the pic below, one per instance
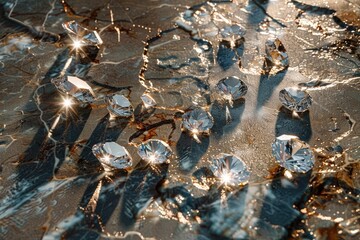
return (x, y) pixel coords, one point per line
(293, 154)
(154, 151)
(230, 170)
(197, 121)
(232, 88)
(119, 105)
(233, 34)
(148, 101)
(276, 53)
(112, 155)
(75, 87)
(295, 99)
(92, 38)
(73, 27)
(81, 34)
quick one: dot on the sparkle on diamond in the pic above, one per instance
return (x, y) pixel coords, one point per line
(197, 121)
(154, 151)
(230, 170)
(112, 155)
(75, 87)
(293, 154)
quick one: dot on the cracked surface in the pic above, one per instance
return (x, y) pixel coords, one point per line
(53, 187)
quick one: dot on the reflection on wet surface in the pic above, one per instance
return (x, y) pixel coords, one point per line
(162, 60)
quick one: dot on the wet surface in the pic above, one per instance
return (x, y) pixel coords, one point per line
(51, 184)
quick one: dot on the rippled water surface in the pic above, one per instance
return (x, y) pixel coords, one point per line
(53, 187)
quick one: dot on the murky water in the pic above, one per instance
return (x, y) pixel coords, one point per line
(53, 187)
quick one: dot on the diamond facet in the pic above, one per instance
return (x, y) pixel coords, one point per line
(276, 53)
(295, 99)
(293, 154)
(112, 155)
(148, 101)
(119, 105)
(75, 87)
(233, 34)
(84, 35)
(197, 121)
(154, 151)
(232, 88)
(230, 170)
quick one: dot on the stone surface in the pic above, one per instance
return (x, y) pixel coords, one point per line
(112, 155)
(293, 154)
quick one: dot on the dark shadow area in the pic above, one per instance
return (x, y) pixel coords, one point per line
(221, 125)
(189, 152)
(267, 85)
(221, 214)
(284, 193)
(300, 126)
(140, 187)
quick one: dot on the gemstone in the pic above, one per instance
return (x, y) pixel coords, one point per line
(112, 155)
(148, 101)
(232, 88)
(230, 170)
(84, 35)
(293, 154)
(75, 87)
(119, 105)
(295, 99)
(233, 34)
(197, 121)
(154, 151)
(92, 38)
(276, 53)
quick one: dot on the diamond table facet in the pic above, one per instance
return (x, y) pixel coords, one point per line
(293, 154)
(232, 88)
(119, 105)
(230, 170)
(154, 151)
(112, 155)
(233, 34)
(197, 121)
(81, 34)
(295, 99)
(75, 87)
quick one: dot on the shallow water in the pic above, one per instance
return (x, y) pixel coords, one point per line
(52, 186)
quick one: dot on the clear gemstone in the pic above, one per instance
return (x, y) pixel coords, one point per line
(79, 33)
(293, 154)
(92, 38)
(148, 101)
(230, 170)
(276, 53)
(295, 99)
(75, 87)
(197, 121)
(232, 87)
(73, 27)
(154, 151)
(119, 105)
(233, 34)
(112, 155)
